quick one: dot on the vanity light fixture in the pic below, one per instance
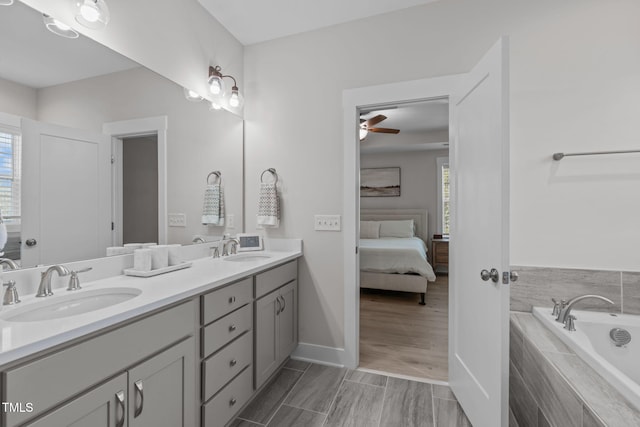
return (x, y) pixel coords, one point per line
(93, 14)
(59, 28)
(217, 87)
(191, 95)
(6, 2)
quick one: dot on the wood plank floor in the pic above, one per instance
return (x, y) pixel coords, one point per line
(399, 336)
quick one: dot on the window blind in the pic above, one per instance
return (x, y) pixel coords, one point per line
(10, 164)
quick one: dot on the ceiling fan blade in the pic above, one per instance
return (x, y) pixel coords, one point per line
(384, 130)
(375, 120)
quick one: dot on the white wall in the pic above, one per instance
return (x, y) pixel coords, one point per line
(575, 86)
(418, 182)
(198, 140)
(17, 99)
(178, 39)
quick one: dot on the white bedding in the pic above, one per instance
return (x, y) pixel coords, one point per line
(395, 255)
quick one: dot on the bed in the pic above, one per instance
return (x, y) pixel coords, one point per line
(396, 263)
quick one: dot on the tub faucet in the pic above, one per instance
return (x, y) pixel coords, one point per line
(565, 312)
(44, 290)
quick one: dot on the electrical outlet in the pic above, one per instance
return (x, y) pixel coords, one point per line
(177, 220)
(327, 222)
(231, 221)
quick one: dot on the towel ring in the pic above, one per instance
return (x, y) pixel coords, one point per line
(216, 173)
(272, 171)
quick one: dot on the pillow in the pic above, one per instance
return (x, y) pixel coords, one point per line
(401, 228)
(369, 229)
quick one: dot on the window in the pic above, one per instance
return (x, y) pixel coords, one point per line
(443, 195)
(10, 153)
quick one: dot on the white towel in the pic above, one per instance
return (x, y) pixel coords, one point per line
(213, 210)
(268, 206)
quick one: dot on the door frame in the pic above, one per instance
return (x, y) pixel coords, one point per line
(132, 128)
(353, 100)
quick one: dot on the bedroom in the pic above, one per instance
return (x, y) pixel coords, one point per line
(403, 204)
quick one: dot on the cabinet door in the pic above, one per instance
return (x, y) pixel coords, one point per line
(266, 319)
(287, 320)
(162, 389)
(101, 407)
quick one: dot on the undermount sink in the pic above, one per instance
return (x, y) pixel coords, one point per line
(247, 257)
(79, 302)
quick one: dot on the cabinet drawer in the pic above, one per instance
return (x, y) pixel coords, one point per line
(219, 333)
(271, 280)
(222, 301)
(226, 364)
(219, 410)
(54, 378)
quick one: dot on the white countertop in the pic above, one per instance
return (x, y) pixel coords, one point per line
(20, 339)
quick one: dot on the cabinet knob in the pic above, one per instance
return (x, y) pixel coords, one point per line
(232, 401)
(232, 328)
(233, 362)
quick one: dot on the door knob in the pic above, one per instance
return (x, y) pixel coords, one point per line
(494, 275)
(31, 242)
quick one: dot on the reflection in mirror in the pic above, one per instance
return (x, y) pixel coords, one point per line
(60, 191)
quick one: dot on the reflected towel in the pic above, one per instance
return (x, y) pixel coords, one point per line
(268, 206)
(213, 210)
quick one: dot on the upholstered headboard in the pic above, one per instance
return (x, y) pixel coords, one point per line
(419, 217)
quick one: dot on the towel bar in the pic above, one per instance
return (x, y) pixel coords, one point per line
(560, 156)
(272, 171)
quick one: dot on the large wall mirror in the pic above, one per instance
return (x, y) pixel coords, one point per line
(68, 106)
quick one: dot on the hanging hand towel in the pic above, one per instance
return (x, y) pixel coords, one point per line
(268, 206)
(213, 210)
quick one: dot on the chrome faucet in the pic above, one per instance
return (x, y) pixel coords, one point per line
(44, 290)
(564, 316)
(230, 242)
(11, 264)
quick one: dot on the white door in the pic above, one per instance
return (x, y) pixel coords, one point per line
(66, 200)
(479, 343)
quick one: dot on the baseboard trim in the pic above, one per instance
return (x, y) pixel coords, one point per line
(321, 354)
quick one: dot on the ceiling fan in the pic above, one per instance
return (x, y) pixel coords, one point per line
(366, 126)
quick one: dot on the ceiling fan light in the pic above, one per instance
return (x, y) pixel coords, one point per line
(93, 14)
(363, 133)
(59, 28)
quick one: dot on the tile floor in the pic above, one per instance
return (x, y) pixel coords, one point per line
(309, 395)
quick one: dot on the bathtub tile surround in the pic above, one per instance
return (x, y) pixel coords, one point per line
(555, 387)
(631, 293)
(537, 285)
(359, 399)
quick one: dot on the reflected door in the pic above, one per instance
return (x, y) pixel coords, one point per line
(67, 199)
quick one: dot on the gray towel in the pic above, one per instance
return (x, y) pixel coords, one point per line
(213, 210)
(268, 206)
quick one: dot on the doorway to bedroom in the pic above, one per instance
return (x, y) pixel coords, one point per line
(403, 247)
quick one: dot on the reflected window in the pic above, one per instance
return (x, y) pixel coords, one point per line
(10, 153)
(443, 194)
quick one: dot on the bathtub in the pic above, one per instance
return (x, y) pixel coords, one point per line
(618, 365)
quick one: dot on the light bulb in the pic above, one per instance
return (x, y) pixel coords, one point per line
(216, 85)
(61, 25)
(59, 28)
(215, 106)
(236, 99)
(89, 11)
(191, 95)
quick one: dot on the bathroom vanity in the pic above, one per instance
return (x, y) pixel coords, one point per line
(190, 349)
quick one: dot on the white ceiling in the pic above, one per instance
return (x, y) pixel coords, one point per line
(254, 21)
(35, 57)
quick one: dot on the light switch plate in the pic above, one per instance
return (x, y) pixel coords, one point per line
(231, 221)
(327, 222)
(177, 220)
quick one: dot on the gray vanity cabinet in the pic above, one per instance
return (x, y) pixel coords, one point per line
(161, 390)
(276, 319)
(103, 406)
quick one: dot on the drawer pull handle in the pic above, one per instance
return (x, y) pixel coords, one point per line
(232, 328)
(120, 401)
(232, 401)
(279, 308)
(284, 304)
(139, 392)
(232, 300)
(233, 362)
